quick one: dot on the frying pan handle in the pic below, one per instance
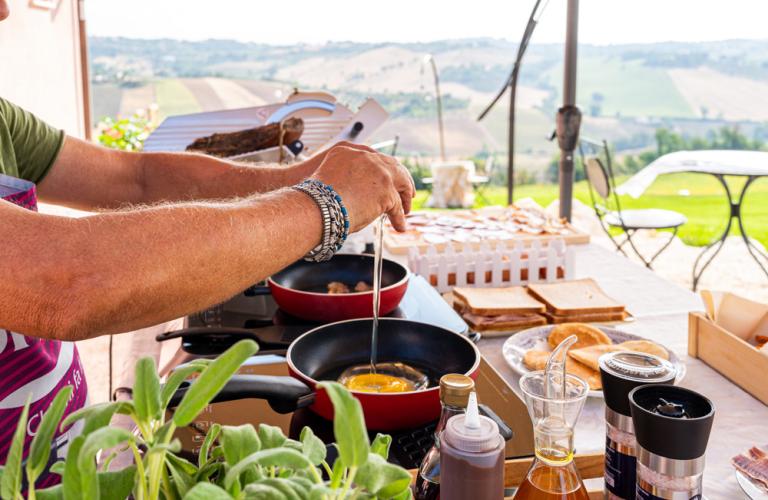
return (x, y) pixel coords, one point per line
(253, 291)
(204, 334)
(284, 394)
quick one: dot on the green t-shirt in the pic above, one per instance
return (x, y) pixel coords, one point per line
(28, 145)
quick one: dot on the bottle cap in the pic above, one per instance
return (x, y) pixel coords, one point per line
(472, 432)
(670, 421)
(622, 371)
(455, 389)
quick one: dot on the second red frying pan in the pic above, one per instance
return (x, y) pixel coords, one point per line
(301, 289)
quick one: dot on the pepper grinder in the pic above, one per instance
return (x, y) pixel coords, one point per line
(620, 373)
(672, 427)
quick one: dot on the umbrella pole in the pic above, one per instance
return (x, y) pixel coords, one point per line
(569, 100)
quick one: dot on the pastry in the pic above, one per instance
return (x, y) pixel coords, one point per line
(588, 335)
(645, 346)
(589, 355)
(537, 360)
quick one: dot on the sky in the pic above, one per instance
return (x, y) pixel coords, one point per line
(602, 22)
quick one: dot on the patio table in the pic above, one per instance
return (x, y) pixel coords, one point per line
(718, 163)
(661, 311)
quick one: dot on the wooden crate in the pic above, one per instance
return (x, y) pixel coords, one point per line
(730, 355)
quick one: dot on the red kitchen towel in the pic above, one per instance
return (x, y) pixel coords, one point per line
(35, 367)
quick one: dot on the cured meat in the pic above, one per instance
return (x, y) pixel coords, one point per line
(755, 466)
(249, 140)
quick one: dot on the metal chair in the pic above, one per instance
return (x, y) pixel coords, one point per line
(605, 201)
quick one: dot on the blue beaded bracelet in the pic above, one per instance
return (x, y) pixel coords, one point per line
(335, 218)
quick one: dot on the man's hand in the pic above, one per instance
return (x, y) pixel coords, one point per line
(369, 183)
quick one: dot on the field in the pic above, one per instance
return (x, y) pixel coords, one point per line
(705, 207)
(629, 88)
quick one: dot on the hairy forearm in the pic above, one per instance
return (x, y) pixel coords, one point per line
(190, 176)
(78, 278)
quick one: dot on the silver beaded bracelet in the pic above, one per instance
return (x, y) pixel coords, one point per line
(335, 218)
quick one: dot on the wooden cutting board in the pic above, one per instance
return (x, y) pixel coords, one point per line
(582, 296)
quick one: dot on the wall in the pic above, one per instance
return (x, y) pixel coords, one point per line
(40, 63)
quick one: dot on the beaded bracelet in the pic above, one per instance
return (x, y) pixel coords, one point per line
(335, 218)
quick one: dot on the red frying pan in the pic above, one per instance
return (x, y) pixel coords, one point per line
(324, 352)
(301, 289)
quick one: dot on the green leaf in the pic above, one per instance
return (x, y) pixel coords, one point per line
(71, 479)
(175, 380)
(238, 442)
(321, 492)
(98, 415)
(116, 485)
(278, 457)
(337, 473)
(183, 480)
(285, 487)
(293, 444)
(212, 380)
(146, 390)
(382, 478)
(213, 432)
(182, 463)
(301, 485)
(381, 444)
(52, 493)
(40, 449)
(312, 446)
(209, 470)
(207, 491)
(348, 425)
(10, 485)
(258, 491)
(101, 439)
(271, 436)
(58, 468)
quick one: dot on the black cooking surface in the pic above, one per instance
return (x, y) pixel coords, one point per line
(258, 312)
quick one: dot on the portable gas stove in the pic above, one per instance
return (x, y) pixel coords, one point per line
(255, 311)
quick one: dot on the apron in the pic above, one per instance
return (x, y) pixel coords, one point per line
(39, 367)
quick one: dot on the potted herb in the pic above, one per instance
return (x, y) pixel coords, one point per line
(235, 462)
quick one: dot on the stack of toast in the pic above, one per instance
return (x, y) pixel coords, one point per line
(497, 310)
(576, 301)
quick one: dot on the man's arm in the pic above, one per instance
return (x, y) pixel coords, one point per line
(71, 279)
(90, 177)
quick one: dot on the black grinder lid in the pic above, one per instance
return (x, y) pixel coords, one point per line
(670, 421)
(623, 371)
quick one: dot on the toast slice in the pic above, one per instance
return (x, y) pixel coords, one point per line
(582, 296)
(557, 319)
(498, 301)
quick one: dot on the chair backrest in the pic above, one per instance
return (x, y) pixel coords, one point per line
(596, 159)
(597, 176)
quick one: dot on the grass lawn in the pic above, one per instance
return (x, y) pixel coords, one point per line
(174, 98)
(706, 207)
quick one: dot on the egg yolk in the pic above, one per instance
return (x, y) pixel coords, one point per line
(377, 382)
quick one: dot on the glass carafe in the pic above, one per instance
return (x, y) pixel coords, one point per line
(554, 400)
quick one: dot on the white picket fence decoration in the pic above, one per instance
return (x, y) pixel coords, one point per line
(437, 266)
